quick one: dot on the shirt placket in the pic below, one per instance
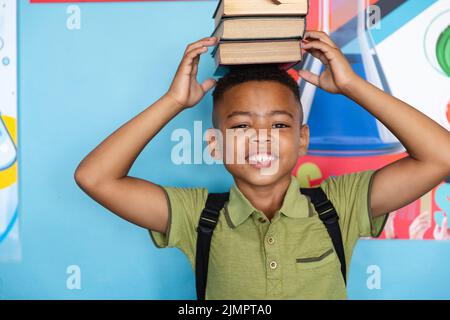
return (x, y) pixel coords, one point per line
(272, 255)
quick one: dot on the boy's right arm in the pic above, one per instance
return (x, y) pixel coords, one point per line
(103, 173)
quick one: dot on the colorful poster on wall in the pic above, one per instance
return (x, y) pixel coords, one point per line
(403, 48)
(9, 227)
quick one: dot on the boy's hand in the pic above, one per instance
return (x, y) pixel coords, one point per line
(185, 89)
(338, 73)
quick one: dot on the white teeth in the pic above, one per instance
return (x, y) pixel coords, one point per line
(261, 157)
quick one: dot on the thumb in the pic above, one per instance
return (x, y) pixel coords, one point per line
(208, 84)
(309, 76)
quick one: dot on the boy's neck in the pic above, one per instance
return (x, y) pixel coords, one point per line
(268, 198)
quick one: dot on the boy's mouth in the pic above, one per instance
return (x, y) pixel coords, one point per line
(261, 160)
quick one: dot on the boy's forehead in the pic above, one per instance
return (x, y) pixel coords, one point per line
(256, 90)
(258, 95)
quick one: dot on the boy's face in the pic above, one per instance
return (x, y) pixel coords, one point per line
(260, 124)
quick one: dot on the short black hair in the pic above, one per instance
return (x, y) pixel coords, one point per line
(248, 72)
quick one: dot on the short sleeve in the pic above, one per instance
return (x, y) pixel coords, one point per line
(185, 206)
(350, 194)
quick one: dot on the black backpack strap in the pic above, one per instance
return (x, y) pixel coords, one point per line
(207, 223)
(328, 215)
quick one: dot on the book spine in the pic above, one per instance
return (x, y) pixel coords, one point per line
(258, 17)
(217, 8)
(223, 14)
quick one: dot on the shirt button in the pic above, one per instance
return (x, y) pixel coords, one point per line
(270, 240)
(262, 220)
(273, 265)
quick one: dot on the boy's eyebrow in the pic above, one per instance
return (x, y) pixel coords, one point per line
(250, 113)
(239, 113)
(282, 112)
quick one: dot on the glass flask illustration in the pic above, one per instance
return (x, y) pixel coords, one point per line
(7, 148)
(437, 43)
(339, 126)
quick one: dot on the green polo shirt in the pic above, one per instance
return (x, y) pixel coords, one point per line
(289, 257)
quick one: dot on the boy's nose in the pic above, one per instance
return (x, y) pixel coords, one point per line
(261, 136)
(260, 139)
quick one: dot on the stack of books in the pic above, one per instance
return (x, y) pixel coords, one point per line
(258, 32)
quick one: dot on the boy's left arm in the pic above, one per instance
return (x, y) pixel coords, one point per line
(427, 143)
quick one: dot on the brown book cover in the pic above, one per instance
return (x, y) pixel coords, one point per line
(257, 51)
(269, 27)
(227, 8)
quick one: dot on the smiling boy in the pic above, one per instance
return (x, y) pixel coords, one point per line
(269, 242)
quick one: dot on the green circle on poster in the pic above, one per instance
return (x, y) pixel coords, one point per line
(443, 51)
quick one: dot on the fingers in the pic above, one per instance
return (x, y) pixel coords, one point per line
(208, 41)
(328, 51)
(195, 66)
(309, 76)
(191, 57)
(319, 55)
(208, 84)
(319, 35)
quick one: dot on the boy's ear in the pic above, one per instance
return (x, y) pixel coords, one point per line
(304, 140)
(214, 140)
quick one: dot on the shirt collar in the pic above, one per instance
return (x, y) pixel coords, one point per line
(295, 204)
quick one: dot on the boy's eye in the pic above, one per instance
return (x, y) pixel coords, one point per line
(280, 125)
(240, 126)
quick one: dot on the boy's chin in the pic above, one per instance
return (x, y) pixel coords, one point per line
(256, 177)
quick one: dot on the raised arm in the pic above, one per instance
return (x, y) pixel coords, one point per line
(103, 173)
(427, 143)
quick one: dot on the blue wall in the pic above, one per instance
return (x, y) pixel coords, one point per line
(76, 87)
